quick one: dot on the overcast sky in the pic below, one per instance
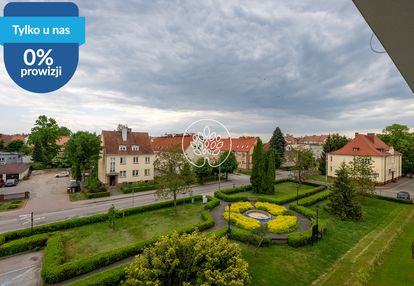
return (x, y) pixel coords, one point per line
(157, 66)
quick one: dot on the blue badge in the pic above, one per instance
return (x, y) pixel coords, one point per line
(41, 43)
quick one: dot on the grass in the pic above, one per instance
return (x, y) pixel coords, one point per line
(78, 196)
(301, 266)
(91, 239)
(281, 190)
(398, 264)
(321, 178)
(11, 205)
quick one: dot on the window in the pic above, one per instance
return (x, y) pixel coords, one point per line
(136, 160)
(122, 174)
(122, 148)
(331, 169)
(330, 158)
(135, 148)
(135, 173)
(147, 172)
(147, 159)
(355, 149)
(122, 160)
(112, 165)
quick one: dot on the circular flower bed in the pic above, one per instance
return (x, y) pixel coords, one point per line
(273, 209)
(283, 224)
(238, 219)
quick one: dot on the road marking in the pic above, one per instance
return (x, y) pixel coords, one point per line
(16, 270)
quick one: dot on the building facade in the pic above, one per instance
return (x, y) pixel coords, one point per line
(10, 158)
(127, 157)
(387, 162)
(243, 150)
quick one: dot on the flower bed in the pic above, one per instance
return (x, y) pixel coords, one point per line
(242, 221)
(273, 209)
(282, 224)
(239, 207)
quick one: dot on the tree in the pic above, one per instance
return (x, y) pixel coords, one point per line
(303, 166)
(203, 171)
(257, 177)
(112, 216)
(343, 202)
(2, 146)
(64, 131)
(173, 180)
(333, 142)
(189, 259)
(277, 143)
(399, 137)
(270, 172)
(363, 174)
(44, 137)
(187, 173)
(15, 146)
(83, 151)
(230, 164)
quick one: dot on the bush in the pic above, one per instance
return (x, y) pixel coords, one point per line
(110, 277)
(138, 187)
(315, 198)
(98, 195)
(37, 166)
(24, 244)
(290, 198)
(242, 221)
(297, 239)
(309, 213)
(391, 199)
(271, 208)
(239, 207)
(282, 224)
(212, 203)
(248, 237)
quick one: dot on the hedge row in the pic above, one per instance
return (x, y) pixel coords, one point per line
(297, 239)
(71, 223)
(290, 198)
(315, 198)
(224, 194)
(24, 244)
(309, 213)
(391, 199)
(54, 272)
(98, 195)
(127, 189)
(242, 235)
(212, 203)
(110, 277)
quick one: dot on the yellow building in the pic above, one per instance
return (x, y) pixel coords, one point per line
(387, 162)
(126, 157)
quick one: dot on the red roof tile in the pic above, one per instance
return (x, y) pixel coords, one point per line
(9, 138)
(13, 168)
(113, 139)
(365, 145)
(241, 144)
(165, 143)
(63, 140)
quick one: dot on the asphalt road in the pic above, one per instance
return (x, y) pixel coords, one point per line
(22, 269)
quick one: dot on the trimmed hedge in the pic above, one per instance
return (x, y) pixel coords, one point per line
(53, 272)
(110, 277)
(98, 195)
(391, 199)
(297, 239)
(242, 235)
(136, 188)
(309, 213)
(224, 194)
(24, 244)
(212, 203)
(315, 198)
(75, 222)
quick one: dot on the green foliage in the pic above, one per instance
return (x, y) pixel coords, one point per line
(333, 142)
(307, 212)
(173, 180)
(257, 179)
(15, 146)
(138, 187)
(363, 175)
(24, 244)
(211, 203)
(83, 151)
(190, 259)
(392, 199)
(43, 137)
(112, 216)
(230, 164)
(202, 172)
(343, 202)
(2, 145)
(270, 172)
(277, 143)
(110, 277)
(60, 161)
(187, 173)
(303, 238)
(64, 131)
(315, 198)
(98, 195)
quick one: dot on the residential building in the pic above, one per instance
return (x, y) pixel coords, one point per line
(126, 157)
(311, 142)
(61, 141)
(243, 149)
(10, 158)
(9, 138)
(170, 142)
(14, 171)
(387, 162)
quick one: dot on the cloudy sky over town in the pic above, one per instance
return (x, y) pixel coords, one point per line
(157, 66)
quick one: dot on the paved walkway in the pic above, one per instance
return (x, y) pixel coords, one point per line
(22, 269)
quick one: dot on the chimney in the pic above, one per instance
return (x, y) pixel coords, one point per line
(371, 137)
(124, 133)
(356, 134)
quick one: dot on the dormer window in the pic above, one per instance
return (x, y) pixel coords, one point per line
(355, 149)
(135, 147)
(381, 150)
(122, 148)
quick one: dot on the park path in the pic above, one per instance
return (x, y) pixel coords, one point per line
(355, 266)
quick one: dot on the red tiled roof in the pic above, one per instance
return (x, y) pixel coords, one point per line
(312, 139)
(365, 145)
(241, 144)
(266, 146)
(63, 140)
(112, 139)
(13, 168)
(9, 138)
(165, 143)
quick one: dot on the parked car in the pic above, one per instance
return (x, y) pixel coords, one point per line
(74, 186)
(403, 195)
(11, 183)
(62, 174)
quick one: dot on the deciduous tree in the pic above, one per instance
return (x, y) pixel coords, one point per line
(333, 142)
(230, 163)
(202, 172)
(363, 174)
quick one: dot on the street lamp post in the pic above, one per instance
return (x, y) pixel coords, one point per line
(228, 227)
(219, 177)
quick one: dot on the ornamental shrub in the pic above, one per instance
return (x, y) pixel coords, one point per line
(271, 208)
(282, 224)
(239, 207)
(242, 221)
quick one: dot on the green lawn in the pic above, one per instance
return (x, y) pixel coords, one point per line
(11, 205)
(398, 264)
(303, 265)
(321, 178)
(282, 189)
(94, 238)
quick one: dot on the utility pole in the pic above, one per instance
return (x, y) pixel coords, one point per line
(31, 219)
